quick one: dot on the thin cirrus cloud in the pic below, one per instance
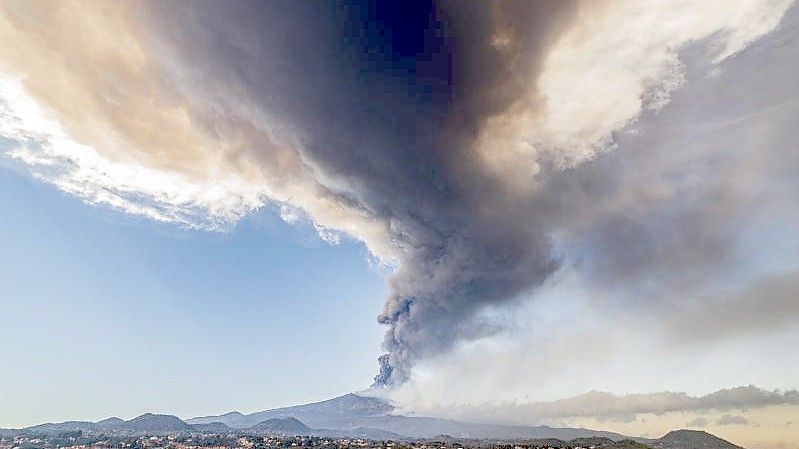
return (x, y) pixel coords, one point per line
(608, 406)
(732, 420)
(476, 165)
(698, 422)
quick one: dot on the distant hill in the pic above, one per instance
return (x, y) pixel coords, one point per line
(281, 426)
(55, 428)
(110, 423)
(214, 427)
(691, 439)
(591, 441)
(148, 423)
(153, 423)
(9, 433)
(373, 434)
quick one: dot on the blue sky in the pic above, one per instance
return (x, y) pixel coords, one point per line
(108, 315)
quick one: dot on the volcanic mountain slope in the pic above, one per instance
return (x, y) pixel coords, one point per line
(352, 412)
(338, 412)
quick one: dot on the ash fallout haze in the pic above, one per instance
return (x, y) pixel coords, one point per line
(580, 214)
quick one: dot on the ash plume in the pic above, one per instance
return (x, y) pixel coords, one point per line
(403, 146)
(456, 140)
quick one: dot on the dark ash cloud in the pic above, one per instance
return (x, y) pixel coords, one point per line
(431, 132)
(387, 103)
(391, 108)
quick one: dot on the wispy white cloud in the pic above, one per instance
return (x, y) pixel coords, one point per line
(622, 58)
(79, 169)
(118, 129)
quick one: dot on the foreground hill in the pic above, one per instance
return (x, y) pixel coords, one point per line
(623, 444)
(691, 439)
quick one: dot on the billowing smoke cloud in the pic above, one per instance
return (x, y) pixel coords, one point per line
(458, 141)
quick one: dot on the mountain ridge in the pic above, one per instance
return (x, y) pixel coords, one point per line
(356, 416)
(352, 411)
